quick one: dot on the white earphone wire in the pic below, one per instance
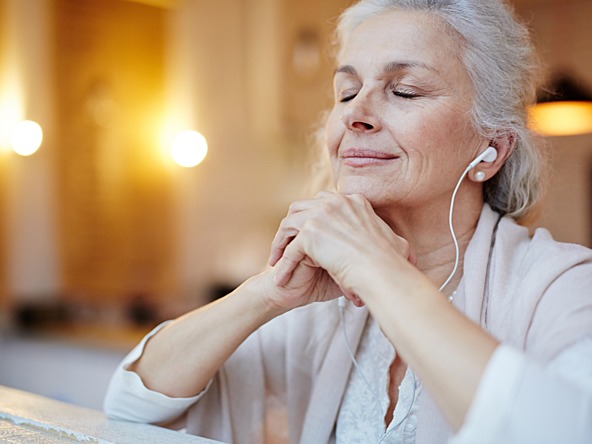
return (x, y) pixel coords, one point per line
(353, 358)
(374, 397)
(451, 227)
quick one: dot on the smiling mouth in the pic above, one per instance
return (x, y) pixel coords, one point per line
(364, 157)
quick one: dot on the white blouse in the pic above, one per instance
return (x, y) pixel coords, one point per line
(366, 400)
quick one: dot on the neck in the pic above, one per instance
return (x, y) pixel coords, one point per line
(428, 233)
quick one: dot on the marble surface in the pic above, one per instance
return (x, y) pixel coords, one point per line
(28, 418)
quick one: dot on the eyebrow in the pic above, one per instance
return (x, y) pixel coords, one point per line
(389, 68)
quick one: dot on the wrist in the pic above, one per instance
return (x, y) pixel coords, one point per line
(389, 280)
(260, 289)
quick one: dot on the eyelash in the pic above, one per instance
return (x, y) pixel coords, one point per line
(347, 98)
(398, 93)
(405, 94)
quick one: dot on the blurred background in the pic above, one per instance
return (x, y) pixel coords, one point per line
(108, 223)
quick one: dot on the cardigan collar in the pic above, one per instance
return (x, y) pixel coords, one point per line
(333, 376)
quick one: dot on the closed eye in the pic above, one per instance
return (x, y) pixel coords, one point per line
(348, 97)
(405, 93)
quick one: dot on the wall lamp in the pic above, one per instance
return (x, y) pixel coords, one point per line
(189, 148)
(26, 137)
(564, 108)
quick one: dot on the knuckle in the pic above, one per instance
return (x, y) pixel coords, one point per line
(293, 208)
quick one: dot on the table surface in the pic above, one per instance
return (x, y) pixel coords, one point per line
(28, 418)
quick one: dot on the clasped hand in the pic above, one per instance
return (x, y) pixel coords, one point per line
(330, 246)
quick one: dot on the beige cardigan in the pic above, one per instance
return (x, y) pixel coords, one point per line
(534, 294)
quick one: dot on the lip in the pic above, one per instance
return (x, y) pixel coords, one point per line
(364, 157)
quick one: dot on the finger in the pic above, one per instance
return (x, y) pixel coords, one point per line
(358, 302)
(324, 194)
(353, 298)
(287, 264)
(288, 229)
(291, 225)
(277, 248)
(283, 271)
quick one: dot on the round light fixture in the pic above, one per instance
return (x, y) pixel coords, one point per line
(26, 137)
(563, 109)
(189, 148)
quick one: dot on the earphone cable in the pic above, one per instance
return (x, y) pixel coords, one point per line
(451, 227)
(355, 362)
(374, 397)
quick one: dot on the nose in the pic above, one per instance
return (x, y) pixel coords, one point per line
(360, 114)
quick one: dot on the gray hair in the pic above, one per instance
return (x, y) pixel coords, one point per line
(504, 69)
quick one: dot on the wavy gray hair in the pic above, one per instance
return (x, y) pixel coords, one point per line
(505, 72)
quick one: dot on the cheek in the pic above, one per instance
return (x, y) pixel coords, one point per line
(444, 134)
(334, 130)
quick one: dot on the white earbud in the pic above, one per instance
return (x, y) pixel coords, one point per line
(489, 155)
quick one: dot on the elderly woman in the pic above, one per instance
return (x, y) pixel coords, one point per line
(449, 307)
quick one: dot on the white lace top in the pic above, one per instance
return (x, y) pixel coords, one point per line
(366, 400)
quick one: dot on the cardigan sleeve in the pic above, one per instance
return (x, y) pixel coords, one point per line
(520, 400)
(128, 399)
(239, 386)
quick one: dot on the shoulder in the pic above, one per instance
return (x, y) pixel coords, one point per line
(514, 258)
(539, 254)
(549, 286)
(539, 289)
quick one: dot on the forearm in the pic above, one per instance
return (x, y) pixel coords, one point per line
(447, 351)
(180, 359)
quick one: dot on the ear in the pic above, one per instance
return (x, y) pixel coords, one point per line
(504, 145)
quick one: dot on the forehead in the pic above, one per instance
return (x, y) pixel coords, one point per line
(414, 37)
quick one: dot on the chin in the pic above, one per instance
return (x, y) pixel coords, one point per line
(379, 195)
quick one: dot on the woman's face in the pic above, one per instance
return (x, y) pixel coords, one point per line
(400, 131)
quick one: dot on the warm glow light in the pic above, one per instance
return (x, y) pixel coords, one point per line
(189, 148)
(26, 137)
(561, 118)
(10, 115)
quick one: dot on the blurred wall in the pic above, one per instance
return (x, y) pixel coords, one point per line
(3, 266)
(113, 187)
(31, 264)
(563, 35)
